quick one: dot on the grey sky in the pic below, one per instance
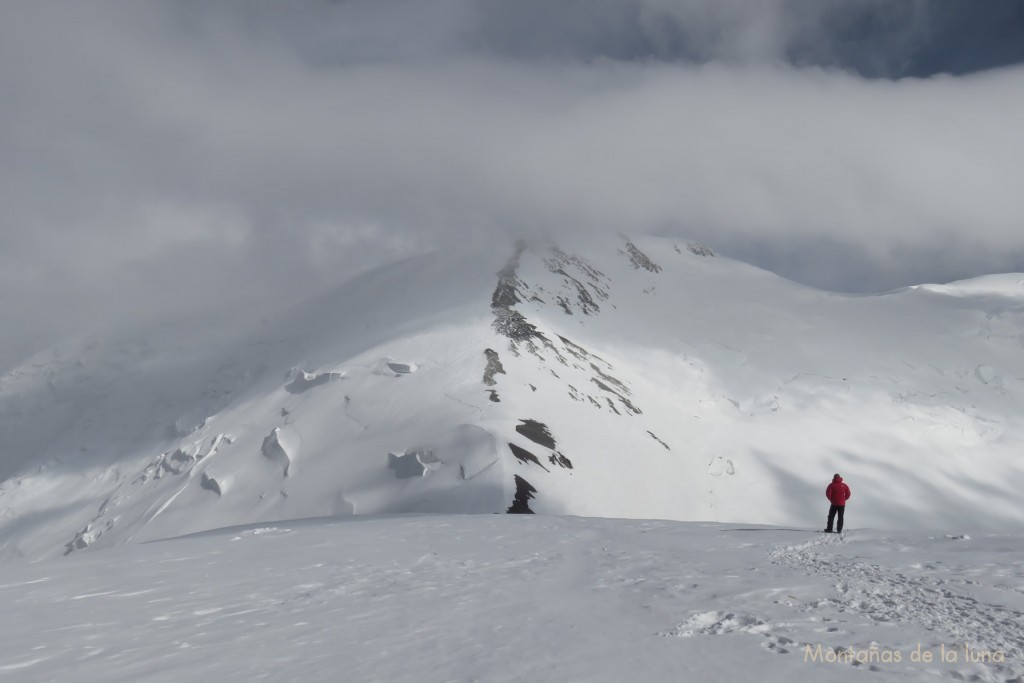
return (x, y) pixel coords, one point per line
(159, 158)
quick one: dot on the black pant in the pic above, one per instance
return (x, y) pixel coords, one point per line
(832, 510)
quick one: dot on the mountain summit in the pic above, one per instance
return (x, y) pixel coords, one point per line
(627, 377)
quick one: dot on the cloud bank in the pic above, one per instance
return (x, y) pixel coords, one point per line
(162, 158)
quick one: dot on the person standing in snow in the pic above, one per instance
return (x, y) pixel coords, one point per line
(837, 493)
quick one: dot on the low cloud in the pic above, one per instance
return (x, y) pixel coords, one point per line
(156, 155)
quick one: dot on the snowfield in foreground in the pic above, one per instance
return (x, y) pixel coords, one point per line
(520, 598)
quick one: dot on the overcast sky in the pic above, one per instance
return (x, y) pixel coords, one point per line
(166, 157)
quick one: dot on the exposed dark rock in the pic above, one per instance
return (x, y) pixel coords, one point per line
(586, 303)
(508, 322)
(625, 401)
(659, 440)
(493, 396)
(563, 260)
(494, 367)
(210, 484)
(699, 249)
(506, 294)
(611, 380)
(526, 456)
(532, 387)
(557, 458)
(575, 349)
(583, 290)
(630, 407)
(581, 353)
(511, 291)
(521, 502)
(536, 432)
(513, 325)
(640, 259)
(555, 350)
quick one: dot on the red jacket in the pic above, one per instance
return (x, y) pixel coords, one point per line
(837, 492)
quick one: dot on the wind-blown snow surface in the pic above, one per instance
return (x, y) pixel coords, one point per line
(638, 378)
(519, 598)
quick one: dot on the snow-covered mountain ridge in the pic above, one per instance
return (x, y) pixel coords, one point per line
(641, 378)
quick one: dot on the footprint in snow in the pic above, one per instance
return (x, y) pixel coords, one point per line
(719, 466)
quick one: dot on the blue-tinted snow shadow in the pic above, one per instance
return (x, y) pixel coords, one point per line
(896, 496)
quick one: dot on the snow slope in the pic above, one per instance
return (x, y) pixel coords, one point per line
(519, 598)
(625, 377)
